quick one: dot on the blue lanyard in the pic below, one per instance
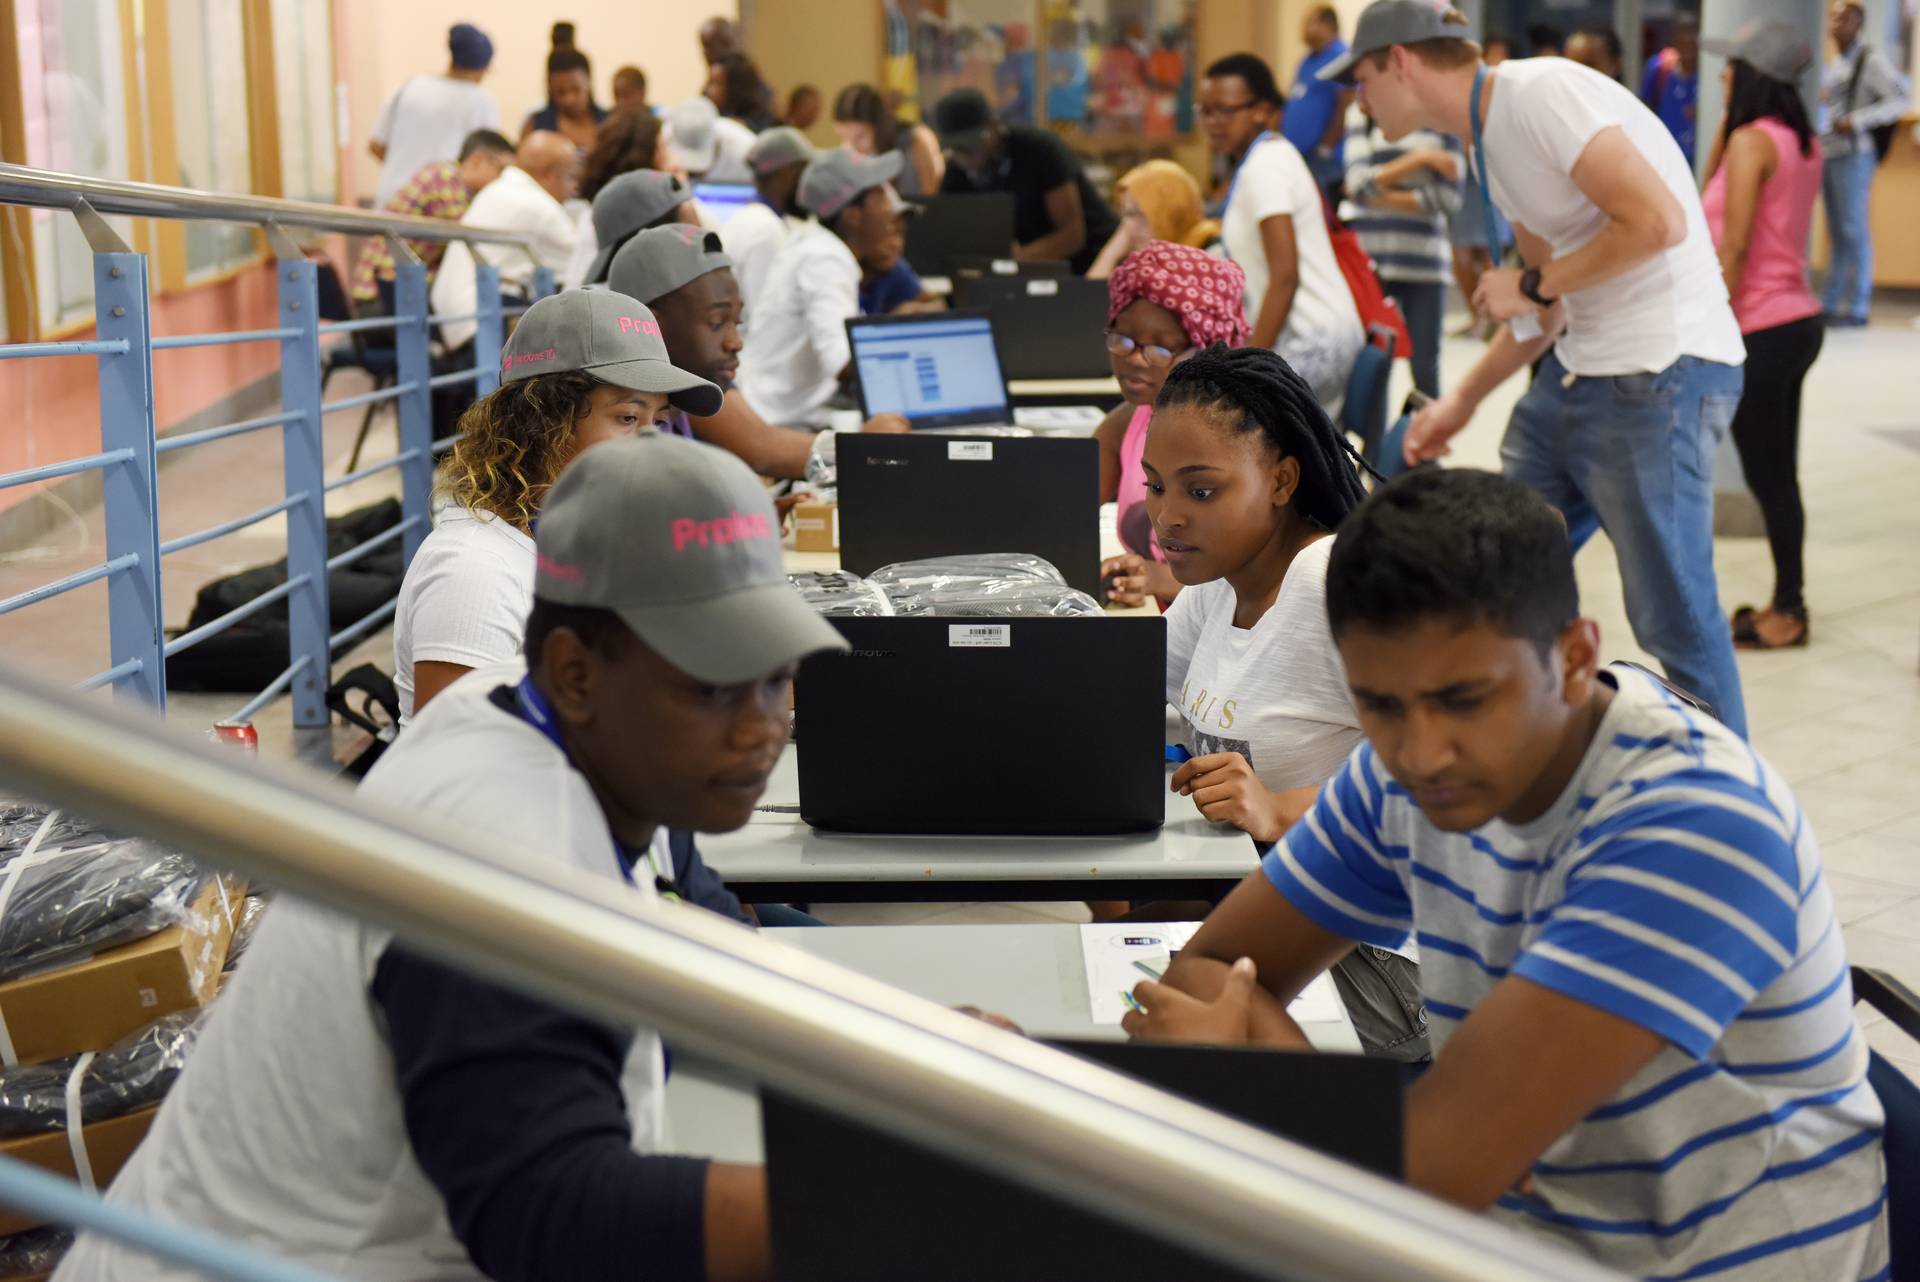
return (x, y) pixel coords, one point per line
(1480, 166)
(1235, 184)
(537, 712)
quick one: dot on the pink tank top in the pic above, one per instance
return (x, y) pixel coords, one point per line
(1130, 498)
(1773, 288)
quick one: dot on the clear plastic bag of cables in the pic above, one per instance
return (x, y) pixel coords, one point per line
(135, 1072)
(24, 825)
(823, 465)
(253, 910)
(59, 906)
(1001, 585)
(37, 1251)
(838, 594)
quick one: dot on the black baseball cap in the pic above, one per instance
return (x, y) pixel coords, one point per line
(962, 119)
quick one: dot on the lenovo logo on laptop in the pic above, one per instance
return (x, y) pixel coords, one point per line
(737, 528)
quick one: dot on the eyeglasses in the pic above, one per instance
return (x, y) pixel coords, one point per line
(1153, 353)
(1222, 113)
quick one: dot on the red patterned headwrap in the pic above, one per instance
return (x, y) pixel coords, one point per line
(1207, 294)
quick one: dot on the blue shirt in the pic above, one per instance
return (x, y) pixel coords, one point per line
(1672, 95)
(901, 285)
(1311, 105)
(1675, 885)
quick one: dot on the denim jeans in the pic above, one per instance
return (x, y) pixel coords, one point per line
(1424, 304)
(1633, 455)
(1848, 183)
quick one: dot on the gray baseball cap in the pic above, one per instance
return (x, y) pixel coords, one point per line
(662, 259)
(680, 540)
(625, 205)
(834, 179)
(608, 335)
(690, 129)
(1386, 23)
(1769, 46)
(779, 147)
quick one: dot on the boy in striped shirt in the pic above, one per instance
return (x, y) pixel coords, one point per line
(1642, 1022)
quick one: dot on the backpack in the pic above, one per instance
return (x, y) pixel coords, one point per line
(1363, 282)
(1882, 135)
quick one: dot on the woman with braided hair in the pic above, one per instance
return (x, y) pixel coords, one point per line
(1246, 481)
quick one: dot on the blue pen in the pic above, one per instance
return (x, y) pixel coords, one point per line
(1128, 998)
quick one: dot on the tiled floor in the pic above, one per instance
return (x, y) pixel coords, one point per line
(1841, 719)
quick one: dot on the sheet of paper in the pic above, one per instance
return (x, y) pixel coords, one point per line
(1110, 950)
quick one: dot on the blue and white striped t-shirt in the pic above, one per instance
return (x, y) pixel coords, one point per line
(1676, 885)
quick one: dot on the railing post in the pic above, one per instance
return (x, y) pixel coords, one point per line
(489, 331)
(130, 496)
(543, 283)
(416, 407)
(305, 467)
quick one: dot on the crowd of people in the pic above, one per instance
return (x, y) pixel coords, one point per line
(1570, 891)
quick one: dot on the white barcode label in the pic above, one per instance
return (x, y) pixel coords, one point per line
(1045, 288)
(1005, 267)
(979, 636)
(969, 451)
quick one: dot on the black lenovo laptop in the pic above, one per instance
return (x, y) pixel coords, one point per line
(959, 226)
(853, 1204)
(940, 371)
(906, 498)
(908, 731)
(1047, 327)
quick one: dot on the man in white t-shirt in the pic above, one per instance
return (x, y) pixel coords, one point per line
(797, 347)
(708, 145)
(754, 235)
(426, 120)
(364, 1111)
(1621, 293)
(1275, 227)
(529, 198)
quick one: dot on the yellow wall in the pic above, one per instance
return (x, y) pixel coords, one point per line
(390, 40)
(828, 44)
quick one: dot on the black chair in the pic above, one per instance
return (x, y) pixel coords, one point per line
(380, 361)
(1900, 1097)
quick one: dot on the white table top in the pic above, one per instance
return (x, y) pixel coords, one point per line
(779, 847)
(1096, 388)
(1033, 975)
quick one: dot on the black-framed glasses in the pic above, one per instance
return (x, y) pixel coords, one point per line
(1153, 353)
(1231, 109)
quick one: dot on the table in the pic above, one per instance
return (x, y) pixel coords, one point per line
(1031, 974)
(777, 858)
(1065, 391)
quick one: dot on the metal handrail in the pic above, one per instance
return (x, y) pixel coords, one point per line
(45, 189)
(1102, 1140)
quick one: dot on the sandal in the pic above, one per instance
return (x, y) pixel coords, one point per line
(1743, 624)
(1746, 630)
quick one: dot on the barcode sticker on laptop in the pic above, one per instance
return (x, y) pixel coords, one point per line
(1005, 267)
(979, 636)
(1046, 288)
(970, 451)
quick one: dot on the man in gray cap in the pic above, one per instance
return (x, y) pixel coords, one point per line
(694, 293)
(797, 350)
(708, 145)
(623, 208)
(358, 1082)
(754, 235)
(1620, 290)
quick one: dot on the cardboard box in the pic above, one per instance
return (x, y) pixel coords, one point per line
(109, 1145)
(816, 527)
(92, 1004)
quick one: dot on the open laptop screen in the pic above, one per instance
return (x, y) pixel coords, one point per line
(724, 200)
(938, 371)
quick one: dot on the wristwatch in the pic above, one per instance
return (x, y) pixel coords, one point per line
(1530, 286)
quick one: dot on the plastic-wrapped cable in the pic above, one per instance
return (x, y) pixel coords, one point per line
(59, 906)
(24, 825)
(994, 566)
(840, 594)
(136, 1072)
(252, 909)
(34, 1252)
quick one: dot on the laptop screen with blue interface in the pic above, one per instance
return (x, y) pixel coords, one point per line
(937, 371)
(724, 200)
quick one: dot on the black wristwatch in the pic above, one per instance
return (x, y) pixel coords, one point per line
(1530, 286)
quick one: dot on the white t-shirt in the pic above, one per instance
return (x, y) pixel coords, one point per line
(513, 202)
(465, 599)
(1544, 113)
(1276, 692)
(425, 121)
(753, 237)
(796, 341)
(286, 1130)
(732, 141)
(1323, 332)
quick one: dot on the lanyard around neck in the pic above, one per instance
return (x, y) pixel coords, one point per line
(1235, 184)
(1480, 166)
(537, 712)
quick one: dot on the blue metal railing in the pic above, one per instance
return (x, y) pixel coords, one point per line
(130, 447)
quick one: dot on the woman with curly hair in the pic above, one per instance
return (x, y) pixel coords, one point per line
(583, 367)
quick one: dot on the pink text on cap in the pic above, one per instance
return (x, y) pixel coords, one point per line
(631, 323)
(736, 528)
(508, 361)
(559, 571)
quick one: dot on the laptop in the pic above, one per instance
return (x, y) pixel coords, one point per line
(962, 225)
(724, 200)
(1003, 266)
(851, 1202)
(939, 370)
(917, 728)
(1047, 327)
(910, 497)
